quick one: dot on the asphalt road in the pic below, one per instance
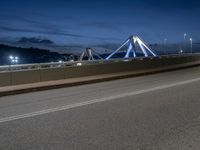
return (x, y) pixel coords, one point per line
(154, 112)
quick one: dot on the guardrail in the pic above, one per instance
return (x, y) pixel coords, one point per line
(38, 66)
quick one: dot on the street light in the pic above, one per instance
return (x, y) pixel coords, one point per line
(165, 43)
(165, 40)
(184, 37)
(185, 34)
(11, 57)
(191, 44)
(14, 60)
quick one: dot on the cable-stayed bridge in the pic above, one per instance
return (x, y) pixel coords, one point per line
(132, 47)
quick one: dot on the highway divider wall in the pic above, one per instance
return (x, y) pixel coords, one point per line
(104, 67)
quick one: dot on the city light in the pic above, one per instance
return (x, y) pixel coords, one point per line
(14, 60)
(11, 57)
(79, 64)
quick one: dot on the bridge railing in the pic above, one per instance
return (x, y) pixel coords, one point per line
(21, 67)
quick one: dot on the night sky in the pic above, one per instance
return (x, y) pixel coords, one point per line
(74, 25)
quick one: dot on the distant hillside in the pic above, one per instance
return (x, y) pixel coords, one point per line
(30, 55)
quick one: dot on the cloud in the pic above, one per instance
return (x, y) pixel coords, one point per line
(38, 27)
(34, 40)
(37, 31)
(54, 33)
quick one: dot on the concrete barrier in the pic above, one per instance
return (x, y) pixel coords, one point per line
(52, 74)
(5, 79)
(136, 64)
(24, 77)
(106, 67)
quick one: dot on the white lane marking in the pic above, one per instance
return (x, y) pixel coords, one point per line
(51, 110)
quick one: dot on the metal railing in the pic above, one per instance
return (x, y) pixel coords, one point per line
(8, 68)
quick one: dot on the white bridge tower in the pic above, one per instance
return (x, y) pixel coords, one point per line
(131, 43)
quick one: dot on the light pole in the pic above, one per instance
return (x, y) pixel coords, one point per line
(184, 43)
(191, 44)
(165, 43)
(185, 34)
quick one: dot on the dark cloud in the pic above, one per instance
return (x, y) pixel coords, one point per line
(52, 32)
(38, 31)
(34, 40)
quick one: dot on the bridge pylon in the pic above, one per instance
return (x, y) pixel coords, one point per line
(132, 42)
(90, 54)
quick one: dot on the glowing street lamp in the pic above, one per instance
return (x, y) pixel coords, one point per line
(165, 40)
(184, 43)
(191, 44)
(14, 60)
(165, 43)
(11, 57)
(185, 34)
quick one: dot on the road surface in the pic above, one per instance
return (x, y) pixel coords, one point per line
(154, 112)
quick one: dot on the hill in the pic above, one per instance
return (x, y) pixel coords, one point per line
(29, 55)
